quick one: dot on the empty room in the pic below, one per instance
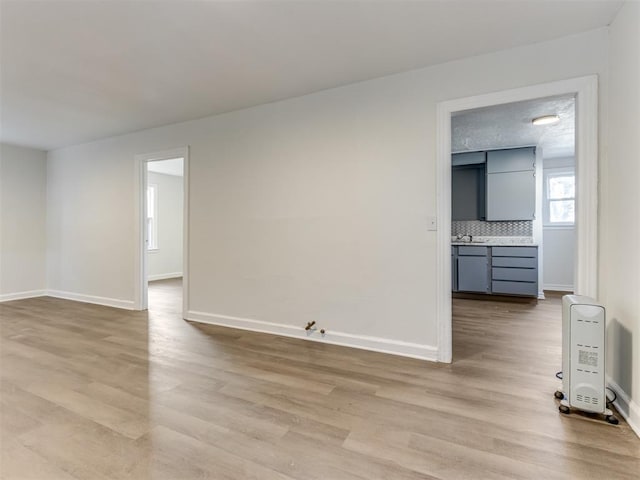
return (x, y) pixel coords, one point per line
(319, 239)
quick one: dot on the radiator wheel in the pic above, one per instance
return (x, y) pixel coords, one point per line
(612, 420)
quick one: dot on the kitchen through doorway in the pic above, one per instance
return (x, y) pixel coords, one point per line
(512, 209)
(499, 208)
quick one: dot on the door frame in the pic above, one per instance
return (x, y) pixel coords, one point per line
(585, 90)
(140, 182)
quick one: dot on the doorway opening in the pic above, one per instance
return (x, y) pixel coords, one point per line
(512, 224)
(583, 91)
(162, 237)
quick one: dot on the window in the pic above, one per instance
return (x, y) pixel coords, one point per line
(560, 195)
(152, 217)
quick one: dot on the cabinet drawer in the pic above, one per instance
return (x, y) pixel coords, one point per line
(521, 262)
(469, 250)
(517, 274)
(515, 288)
(514, 251)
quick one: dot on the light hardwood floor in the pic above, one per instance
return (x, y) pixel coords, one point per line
(91, 392)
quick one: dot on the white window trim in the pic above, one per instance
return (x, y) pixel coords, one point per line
(555, 172)
(155, 247)
(561, 226)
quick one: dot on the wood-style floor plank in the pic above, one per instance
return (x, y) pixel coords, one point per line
(91, 392)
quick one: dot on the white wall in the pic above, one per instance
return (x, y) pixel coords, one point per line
(90, 244)
(559, 241)
(166, 261)
(313, 208)
(559, 253)
(620, 211)
(22, 222)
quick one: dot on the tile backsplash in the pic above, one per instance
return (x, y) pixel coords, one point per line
(523, 228)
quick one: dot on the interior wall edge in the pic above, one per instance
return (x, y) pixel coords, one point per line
(80, 297)
(363, 342)
(8, 297)
(164, 276)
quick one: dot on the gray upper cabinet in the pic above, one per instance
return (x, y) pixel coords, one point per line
(468, 192)
(511, 196)
(511, 184)
(467, 158)
(511, 160)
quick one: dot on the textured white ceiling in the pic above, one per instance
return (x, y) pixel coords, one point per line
(173, 166)
(510, 125)
(74, 71)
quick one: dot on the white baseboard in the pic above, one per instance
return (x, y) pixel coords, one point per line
(558, 288)
(376, 344)
(7, 297)
(79, 297)
(164, 276)
(627, 407)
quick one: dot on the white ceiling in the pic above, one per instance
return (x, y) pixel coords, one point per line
(173, 166)
(75, 71)
(510, 125)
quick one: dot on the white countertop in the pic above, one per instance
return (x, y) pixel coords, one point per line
(495, 241)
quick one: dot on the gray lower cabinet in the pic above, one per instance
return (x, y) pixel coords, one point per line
(495, 270)
(514, 271)
(473, 269)
(454, 269)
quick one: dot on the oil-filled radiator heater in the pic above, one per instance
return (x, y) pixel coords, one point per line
(583, 357)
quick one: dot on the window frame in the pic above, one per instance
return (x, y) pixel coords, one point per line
(152, 233)
(548, 174)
